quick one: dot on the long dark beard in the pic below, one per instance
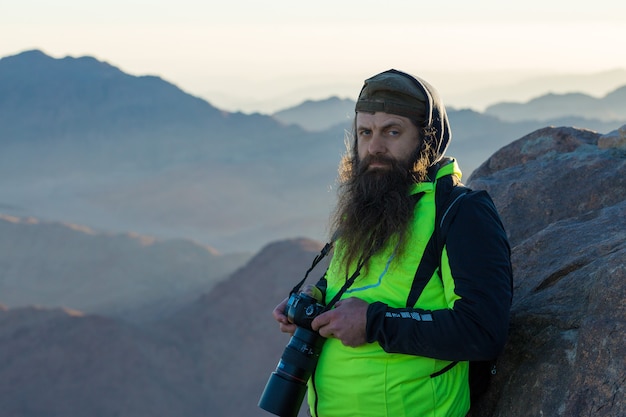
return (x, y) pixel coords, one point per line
(373, 207)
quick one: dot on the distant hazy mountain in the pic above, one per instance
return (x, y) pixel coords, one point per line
(496, 87)
(460, 89)
(579, 109)
(611, 107)
(118, 275)
(82, 142)
(43, 98)
(318, 115)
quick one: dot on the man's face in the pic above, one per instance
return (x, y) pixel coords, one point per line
(384, 136)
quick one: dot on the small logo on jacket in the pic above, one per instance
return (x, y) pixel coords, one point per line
(409, 315)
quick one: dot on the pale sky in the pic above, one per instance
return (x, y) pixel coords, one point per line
(256, 50)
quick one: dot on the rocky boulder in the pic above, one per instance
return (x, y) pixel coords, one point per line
(562, 196)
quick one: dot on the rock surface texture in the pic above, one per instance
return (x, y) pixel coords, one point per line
(562, 195)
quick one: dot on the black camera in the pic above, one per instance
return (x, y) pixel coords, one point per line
(301, 309)
(286, 386)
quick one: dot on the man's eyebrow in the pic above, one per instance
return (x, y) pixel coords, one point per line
(386, 125)
(392, 123)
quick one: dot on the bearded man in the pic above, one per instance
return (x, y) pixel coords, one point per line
(412, 316)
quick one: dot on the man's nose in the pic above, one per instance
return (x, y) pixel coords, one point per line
(377, 145)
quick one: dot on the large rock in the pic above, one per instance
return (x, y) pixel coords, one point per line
(563, 200)
(550, 175)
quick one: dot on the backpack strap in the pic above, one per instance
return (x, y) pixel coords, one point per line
(448, 194)
(445, 216)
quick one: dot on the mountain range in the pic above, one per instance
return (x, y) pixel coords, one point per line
(460, 89)
(611, 107)
(121, 153)
(83, 142)
(583, 109)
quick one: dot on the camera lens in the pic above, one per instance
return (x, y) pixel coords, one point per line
(286, 386)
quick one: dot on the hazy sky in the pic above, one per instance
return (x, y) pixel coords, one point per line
(241, 48)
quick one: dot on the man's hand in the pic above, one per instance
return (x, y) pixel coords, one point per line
(345, 322)
(281, 318)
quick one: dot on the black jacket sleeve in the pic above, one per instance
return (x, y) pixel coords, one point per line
(477, 326)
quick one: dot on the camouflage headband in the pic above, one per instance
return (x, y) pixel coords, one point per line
(394, 93)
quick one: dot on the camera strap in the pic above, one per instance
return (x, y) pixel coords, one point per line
(316, 260)
(325, 250)
(345, 286)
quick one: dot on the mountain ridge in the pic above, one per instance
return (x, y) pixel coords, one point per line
(137, 278)
(609, 110)
(156, 172)
(611, 107)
